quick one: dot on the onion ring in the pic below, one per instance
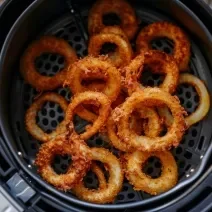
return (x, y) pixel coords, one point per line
(123, 53)
(151, 97)
(114, 30)
(133, 172)
(114, 184)
(91, 66)
(94, 98)
(30, 117)
(46, 44)
(81, 160)
(203, 107)
(167, 64)
(152, 128)
(121, 8)
(100, 175)
(181, 51)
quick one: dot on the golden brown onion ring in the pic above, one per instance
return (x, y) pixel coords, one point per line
(31, 113)
(114, 184)
(149, 97)
(151, 129)
(167, 64)
(121, 8)
(91, 97)
(100, 175)
(114, 30)
(181, 51)
(133, 163)
(204, 101)
(81, 160)
(122, 54)
(46, 44)
(91, 66)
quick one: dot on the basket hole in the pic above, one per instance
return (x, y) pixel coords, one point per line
(188, 155)
(182, 164)
(125, 188)
(179, 150)
(72, 29)
(34, 146)
(54, 124)
(188, 105)
(167, 50)
(111, 19)
(38, 64)
(77, 38)
(60, 118)
(45, 122)
(201, 142)
(194, 132)
(55, 68)
(188, 94)
(51, 104)
(99, 142)
(44, 111)
(85, 52)
(179, 91)
(181, 100)
(61, 60)
(196, 99)
(65, 37)
(120, 197)
(89, 180)
(47, 66)
(63, 93)
(52, 114)
(78, 47)
(131, 195)
(191, 143)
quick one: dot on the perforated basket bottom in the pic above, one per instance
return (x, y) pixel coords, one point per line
(188, 154)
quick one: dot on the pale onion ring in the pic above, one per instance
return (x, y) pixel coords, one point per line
(31, 113)
(181, 51)
(151, 97)
(114, 184)
(46, 44)
(204, 101)
(133, 163)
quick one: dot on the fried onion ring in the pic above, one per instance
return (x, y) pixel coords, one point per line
(30, 117)
(115, 180)
(204, 101)
(91, 66)
(100, 175)
(133, 172)
(81, 160)
(167, 66)
(121, 8)
(95, 98)
(122, 54)
(181, 51)
(151, 129)
(149, 97)
(114, 30)
(46, 44)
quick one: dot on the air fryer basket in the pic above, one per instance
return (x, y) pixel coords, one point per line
(190, 155)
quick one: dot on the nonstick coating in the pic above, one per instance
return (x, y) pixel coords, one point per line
(190, 155)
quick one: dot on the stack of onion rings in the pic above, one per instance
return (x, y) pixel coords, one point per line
(115, 104)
